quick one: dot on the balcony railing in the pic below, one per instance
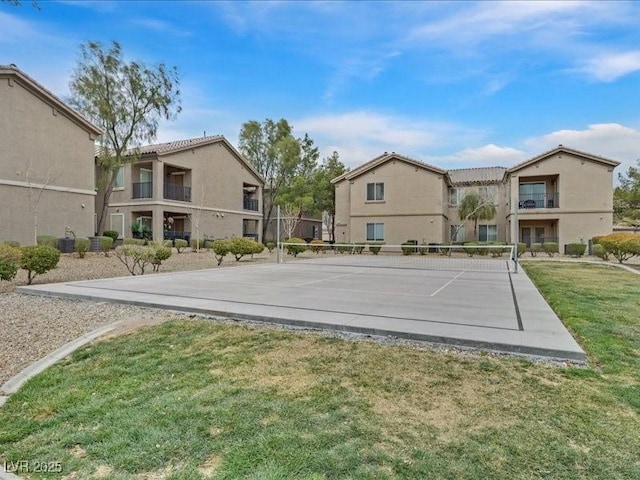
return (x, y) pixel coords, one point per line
(143, 190)
(539, 200)
(250, 204)
(177, 192)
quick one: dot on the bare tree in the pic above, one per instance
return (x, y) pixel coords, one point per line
(35, 195)
(291, 216)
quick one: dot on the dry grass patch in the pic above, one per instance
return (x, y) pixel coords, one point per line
(208, 468)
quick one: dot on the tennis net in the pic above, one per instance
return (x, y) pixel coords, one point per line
(484, 258)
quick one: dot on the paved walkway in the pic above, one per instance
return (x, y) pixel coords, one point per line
(492, 311)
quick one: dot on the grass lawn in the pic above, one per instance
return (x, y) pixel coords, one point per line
(196, 399)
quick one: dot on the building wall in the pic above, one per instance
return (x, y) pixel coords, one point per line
(216, 177)
(40, 145)
(585, 196)
(412, 209)
(416, 204)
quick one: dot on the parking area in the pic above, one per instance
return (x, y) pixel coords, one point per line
(489, 310)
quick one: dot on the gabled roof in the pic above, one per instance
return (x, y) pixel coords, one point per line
(382, 159)
(476, 175)
(14, 73)
(168, 148)
(559, 149)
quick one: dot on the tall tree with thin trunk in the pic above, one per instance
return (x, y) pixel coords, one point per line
(324, 190)
(274, 152)
(127, 100)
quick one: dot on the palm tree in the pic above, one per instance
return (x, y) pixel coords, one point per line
(475, 207)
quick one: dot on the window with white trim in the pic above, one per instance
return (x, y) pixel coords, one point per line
(455, 196)
(375, 192)
(489, 193)
(457, 233)
(116, 222)
(375, 232)
(488, 233)
(119, 185)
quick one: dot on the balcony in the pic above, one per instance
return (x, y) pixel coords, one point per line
(250, 204)
(177, 192)
(143, 190)
(539, 200)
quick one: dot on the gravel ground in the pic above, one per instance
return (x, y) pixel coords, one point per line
(31, 326)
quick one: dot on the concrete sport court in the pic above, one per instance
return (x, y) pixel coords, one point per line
(494, 310)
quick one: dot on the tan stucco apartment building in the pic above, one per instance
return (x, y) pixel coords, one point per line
(562, 195)
(46, 162)
(200, 187)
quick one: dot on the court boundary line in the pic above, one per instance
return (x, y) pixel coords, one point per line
(289, 307)
(515, 304)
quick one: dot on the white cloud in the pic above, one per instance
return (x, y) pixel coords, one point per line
(485, 156)
(610, 140)
(611, 66)
(360, 136)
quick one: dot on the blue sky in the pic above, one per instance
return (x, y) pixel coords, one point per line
(456, 84)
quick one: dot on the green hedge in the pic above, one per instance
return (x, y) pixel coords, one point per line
(535, 248)
(622, 246)
(49, 240)
(10, 257)
(294, 249)
(82, 246)
(576, 249)
(550, 248)
(112, 234)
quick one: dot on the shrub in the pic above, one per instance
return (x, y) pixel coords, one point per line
(535, 248)
(135, 257)
(160, 254)
(522, 247)
(317, 245)
(375, 247)
(240, 247)
(408, 247)
(180, 244)
(82, 246)
(550, 248)
(133, 241)
(49, 240)
(11, 243)
(9, 262)
(38, 259)
(600, 252)
(358, 248)
(622, 246)
(576, 249)
(498, 250)
(344, 248)
(470, 248)
(270, 246)
(220, 249)
(257, 248)
(105, 244)
(596, 240)
(112, 234)
(294, 249)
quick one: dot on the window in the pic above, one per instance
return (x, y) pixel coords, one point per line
(455, 196)
(488, 233)
(375, 192)
(489, 193)
(375, 232)
(532, 195)
(457, 233)
(119, 185)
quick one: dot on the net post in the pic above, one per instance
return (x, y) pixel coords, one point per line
(278, 253)
(514, 254)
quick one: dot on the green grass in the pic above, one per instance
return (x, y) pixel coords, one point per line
(195, 399)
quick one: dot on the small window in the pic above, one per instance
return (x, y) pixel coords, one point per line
(457, 233)
(488, 233)
(455, 196)
(375, 232)
(489, 193)
(375, 192)
(119, 185)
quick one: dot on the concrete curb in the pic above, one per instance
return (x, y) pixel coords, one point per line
(14, 383)
(9, 476)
